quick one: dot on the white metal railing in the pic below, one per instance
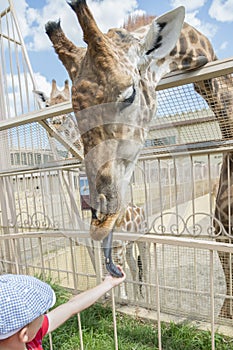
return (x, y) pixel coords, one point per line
(175, 192)
(210, 70)
(62, 255)
(174, 203)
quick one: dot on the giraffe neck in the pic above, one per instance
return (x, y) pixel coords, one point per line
(224, 203)
(218, 93)
(133, 219)
(192, 51)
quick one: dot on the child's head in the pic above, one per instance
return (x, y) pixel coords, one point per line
(23, 299)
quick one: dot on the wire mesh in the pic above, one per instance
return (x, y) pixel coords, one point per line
(178, 193)
(183, 280)
(193, 113)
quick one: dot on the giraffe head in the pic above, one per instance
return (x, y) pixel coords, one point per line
(56, 95)
(113, 97)
(59, 96)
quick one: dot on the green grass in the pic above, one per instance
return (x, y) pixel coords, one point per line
(133, 334)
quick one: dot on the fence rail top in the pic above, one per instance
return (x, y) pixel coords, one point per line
(150, 238)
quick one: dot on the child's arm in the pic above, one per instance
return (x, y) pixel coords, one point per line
(81, 302)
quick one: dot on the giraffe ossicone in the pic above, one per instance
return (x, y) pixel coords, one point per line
(65, 125)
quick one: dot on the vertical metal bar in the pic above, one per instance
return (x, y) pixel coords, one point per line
(56, 259)
(18, 192)
(195, 263)
(170, 182)
(4, 103)
(23, 45)
(212, 299)
(150, 204)
(32, 250)
(24, 253)
(17, 64)
(60, 179)
(67, 264)
(149, 276)
(50, 341)
(114, 320)
(15, 253)
(78, 222)
(193, 192)
(41, 256)
(11, 67)
(4, 82)
(98, 261)
(146, 192)
(26, 195)
(179, 274)
(160, 191)
(229, 199)
(158, 298)
(80, 331)
(25, 62)
(51, 193)
(210, 187)
(176, 191)
(229, 192)
(42, 176)
(75, 287)
(47, 249)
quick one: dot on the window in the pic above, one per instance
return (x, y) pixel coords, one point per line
(169, 140)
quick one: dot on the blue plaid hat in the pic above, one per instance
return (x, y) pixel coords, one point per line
(22, 300)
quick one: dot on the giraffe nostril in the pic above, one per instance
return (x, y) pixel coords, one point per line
(99, 213)
(94, 214)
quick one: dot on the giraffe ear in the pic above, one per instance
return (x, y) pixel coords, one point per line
(163, 34)
(41, 97)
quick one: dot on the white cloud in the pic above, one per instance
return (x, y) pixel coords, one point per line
(42, 83)
(222, 10)
(208, 29)
(108, 14)
(21, 9)
(111, 13)
(192, 8)
(224, 45)
(190, 5)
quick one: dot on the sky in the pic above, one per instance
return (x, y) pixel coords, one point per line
(214, 18)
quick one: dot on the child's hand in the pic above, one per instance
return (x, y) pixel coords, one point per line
(115, 281)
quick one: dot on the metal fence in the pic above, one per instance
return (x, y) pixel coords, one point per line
(186, 264)
(183, 280)
(44, 230)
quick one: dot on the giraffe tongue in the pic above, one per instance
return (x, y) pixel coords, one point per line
(110, 266)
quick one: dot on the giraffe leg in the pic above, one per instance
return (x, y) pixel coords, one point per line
(143, 264)
(132, 265)
(140, 274)
(227, 265)
(107, 248)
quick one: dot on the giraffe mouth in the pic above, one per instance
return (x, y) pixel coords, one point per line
(102, 230)
(103, 219)
(101, 227)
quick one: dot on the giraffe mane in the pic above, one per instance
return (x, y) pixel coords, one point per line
(134, 22)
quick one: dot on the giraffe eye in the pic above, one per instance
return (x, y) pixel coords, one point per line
(131, 98)
(128, 96)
